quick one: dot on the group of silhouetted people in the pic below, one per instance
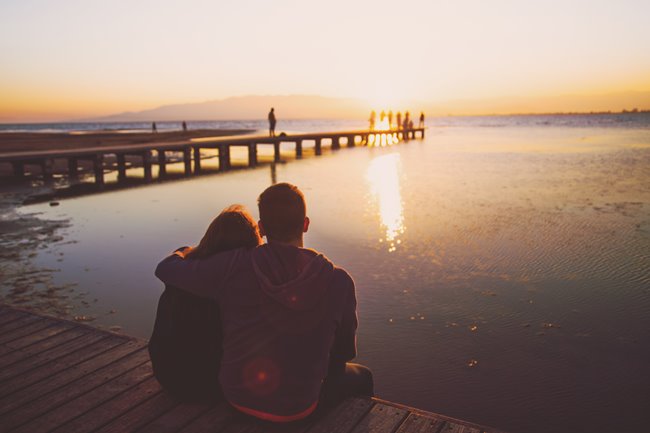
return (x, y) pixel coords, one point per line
(400, 124)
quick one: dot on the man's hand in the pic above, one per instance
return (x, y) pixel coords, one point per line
(182, 251)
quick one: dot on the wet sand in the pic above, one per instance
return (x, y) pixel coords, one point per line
(32, 141)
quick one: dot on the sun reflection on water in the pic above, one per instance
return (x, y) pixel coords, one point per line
(383, 176)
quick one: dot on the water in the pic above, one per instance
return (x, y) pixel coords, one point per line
(502, 264)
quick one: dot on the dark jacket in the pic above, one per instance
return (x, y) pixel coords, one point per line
(287, 313)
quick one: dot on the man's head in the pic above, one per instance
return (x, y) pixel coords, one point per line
(283, 213)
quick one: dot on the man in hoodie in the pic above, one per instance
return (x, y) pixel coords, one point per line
(288, 316)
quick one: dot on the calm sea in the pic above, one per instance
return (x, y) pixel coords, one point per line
(502, 264)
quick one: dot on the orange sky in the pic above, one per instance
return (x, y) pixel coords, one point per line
(74, 58)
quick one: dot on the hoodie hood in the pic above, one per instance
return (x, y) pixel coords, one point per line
(295, 277)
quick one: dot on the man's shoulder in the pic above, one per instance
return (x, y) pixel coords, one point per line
(340, 276)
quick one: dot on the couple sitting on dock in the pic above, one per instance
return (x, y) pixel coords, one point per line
(270, 328)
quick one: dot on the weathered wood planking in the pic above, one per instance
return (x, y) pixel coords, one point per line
(60, 376)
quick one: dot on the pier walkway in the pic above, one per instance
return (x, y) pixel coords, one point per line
(191, 152)
(62, 376)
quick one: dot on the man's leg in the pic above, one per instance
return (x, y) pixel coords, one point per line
(351, 380)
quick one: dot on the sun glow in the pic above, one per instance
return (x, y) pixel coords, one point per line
(383, 176)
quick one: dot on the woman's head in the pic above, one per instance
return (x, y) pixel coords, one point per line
(233, 228)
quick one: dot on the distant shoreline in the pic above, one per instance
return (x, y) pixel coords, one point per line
(178, 122)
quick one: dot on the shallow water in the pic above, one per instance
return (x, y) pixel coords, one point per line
(502, 273)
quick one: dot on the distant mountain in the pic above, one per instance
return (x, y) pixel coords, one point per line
(250, 107)
(321, 107)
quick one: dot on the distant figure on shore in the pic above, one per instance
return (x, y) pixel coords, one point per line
(399, 120)
(390, 119)
(371, 120)
(407, 119)
(421, 124)
(154, 129)
(272, 122)
(184, 126)
(410, 124)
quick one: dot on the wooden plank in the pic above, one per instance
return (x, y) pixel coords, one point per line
(75, 407)
(8, 315)
(342, 418)
(446, 419)
(32, 334)
(241, 423)
(451, 427)
(177, 418)
(113, 408)
(58, 346)
(72, 382)
(141, 414)
(17, 322)
(211, 421)
(40, 346)
(418, 423)
(381, 419)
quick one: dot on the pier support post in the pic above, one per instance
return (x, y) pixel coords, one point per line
(46, 168)
(146, 164)
(73, 168)
(19, 168)
(98, 168)
(298, 148)
(162, 163)
(224, 156)
(121, 166)
(276, 151)
(336, 143)
(252, 154)
(187, 159)
(197, 160)
(350, 140)
(422, 133)
(318, 146)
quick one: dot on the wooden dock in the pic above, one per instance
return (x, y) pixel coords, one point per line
(191, 151)
(62, 376)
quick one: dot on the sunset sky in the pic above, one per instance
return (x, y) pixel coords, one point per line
(73, 58)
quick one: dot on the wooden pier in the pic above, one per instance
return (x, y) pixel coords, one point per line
(191, 151)
(62, 376)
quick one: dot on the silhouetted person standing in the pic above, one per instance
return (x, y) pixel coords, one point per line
(371, 120)
(421, 124)
(399, 120)
(154, 129)
(184, 126)
(390, 119)
(272, 122)
(405, 126)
